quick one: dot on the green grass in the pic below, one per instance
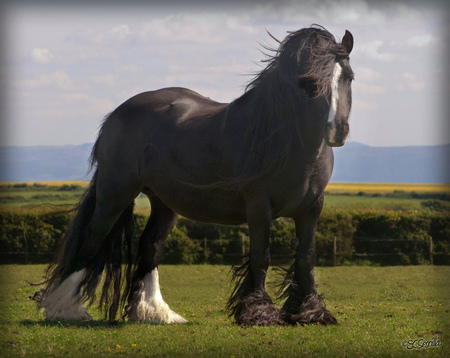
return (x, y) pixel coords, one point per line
(13, 196)
(377, 308)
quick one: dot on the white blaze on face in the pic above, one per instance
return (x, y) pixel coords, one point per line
(337, 71)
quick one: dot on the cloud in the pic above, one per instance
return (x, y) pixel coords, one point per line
(122, 31)
(41, 55)
(97, 105)
(347, 12)
(372, 51)
(186, 78)
(366, 74)
(422, 41)
(108, 79)
(364, 88)
(408, 76)
(417, 86)
(185, 27)
(354, 12)
(59, 78)
(130, 68)
(365, 106)
(52, 111)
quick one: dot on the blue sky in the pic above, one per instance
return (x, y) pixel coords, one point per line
(64, 67)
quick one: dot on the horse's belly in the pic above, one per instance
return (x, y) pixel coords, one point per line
(205, 205)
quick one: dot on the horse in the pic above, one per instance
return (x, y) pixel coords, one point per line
(265, 155)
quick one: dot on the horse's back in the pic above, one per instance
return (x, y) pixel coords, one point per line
(148, 116)
(172, 103)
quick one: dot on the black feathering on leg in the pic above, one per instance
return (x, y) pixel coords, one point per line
(298, 308)
(250, 307)
(312, 311)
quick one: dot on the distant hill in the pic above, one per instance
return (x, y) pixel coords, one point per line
(354, 162)
(44, 163)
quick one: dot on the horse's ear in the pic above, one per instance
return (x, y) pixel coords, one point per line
(347, 41)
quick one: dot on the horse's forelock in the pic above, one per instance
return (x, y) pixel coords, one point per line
(308, 53)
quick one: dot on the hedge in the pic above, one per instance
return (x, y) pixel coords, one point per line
(370, 236)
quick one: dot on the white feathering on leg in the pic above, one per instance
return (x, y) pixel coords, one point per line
(151, 307)
(63, 303)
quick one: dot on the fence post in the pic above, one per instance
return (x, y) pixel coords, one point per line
(26, 242)
(205, 241)
(334, 250)
(431, 250)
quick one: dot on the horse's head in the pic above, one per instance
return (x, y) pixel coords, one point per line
(321, 68)
(337, 127)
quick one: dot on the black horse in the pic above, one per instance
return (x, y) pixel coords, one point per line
(265, 155)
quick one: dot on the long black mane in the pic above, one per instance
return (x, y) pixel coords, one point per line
(299, 71)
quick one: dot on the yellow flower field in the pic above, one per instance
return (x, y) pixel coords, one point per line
(332, 188)
(383, 188)
(50, 183)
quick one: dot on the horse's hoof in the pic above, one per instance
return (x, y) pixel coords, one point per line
(320, 317)
(257, 310)
(312, 311)
(266, 319)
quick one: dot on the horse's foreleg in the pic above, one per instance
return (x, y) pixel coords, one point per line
(250, 304)
(303, 305)
(145, 302)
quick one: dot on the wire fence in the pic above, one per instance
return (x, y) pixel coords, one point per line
(367, 248)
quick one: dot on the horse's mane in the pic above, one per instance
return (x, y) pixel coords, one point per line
(298, 71)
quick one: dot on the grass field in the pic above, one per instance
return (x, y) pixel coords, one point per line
(338, 195)
(377, 308)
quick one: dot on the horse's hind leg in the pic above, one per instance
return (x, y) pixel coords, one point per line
(88, 247)
(145, 303)
(303, 305)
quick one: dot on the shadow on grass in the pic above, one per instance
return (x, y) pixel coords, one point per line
(89, 324)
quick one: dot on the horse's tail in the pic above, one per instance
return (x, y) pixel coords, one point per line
(71, 259)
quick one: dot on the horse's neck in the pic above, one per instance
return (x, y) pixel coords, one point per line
(303, 123)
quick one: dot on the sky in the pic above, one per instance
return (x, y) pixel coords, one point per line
(65, 67)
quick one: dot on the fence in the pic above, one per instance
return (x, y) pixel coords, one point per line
(337, 254)
(209, 251)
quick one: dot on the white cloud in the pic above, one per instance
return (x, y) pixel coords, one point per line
(365, 106)
(400, 87)
(347, 12)
(186, 78)
(233, 67)
(422, 41)
(59, 78)
(372, 51)
(201, 28)
(104, 79)
(122, 31)
(409, 76)
(97, 106)
(130, 68)
(366, 74)
(41, 55)
(404, 13)
(354, 12)
(51, 110)
(417, 86)
(363, 88)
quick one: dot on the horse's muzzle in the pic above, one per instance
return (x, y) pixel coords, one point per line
(335, 135)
